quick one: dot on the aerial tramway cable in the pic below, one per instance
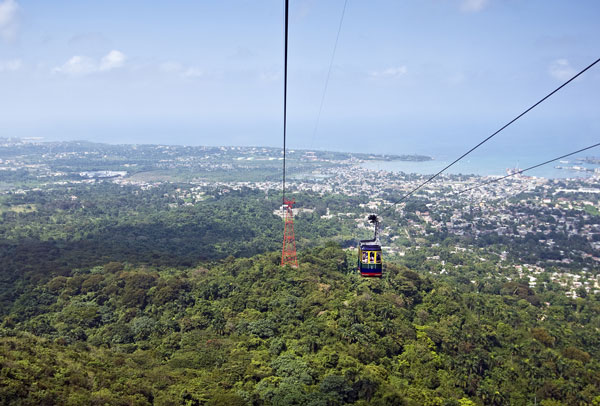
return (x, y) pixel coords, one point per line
(285, 69)
(497, 132)
(288, 252)
(527, 169)
(337, 37)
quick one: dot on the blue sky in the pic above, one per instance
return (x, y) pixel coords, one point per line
(407, 76)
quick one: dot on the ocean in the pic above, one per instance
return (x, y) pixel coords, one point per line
(525, 145)
(490, 165)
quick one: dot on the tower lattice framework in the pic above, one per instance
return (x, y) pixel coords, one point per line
(288, 253)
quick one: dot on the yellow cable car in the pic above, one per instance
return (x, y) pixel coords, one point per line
(369, 253)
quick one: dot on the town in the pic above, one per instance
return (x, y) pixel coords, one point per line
(534, 229)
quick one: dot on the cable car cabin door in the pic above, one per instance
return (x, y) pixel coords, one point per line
(369, 260)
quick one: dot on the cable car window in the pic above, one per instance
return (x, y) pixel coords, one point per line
(371, 257)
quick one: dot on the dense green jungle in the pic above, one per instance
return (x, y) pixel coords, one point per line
(126, 297)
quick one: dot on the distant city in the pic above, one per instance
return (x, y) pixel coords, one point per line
(552, 213)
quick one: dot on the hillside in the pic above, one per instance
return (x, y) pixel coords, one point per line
(246, 331)
(161, 291)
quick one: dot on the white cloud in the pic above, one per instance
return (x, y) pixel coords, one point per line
(270, 76)
(8, 19)
(192, 73)
(561, 70)
(12, 65)
(114, 59)
(457, 78)
(170, 67)
(395, 72)
(180, 70)
(304, 8)
(83, 65)
(77, 65)
(473, 6)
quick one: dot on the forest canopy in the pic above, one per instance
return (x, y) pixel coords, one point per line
(246, 331)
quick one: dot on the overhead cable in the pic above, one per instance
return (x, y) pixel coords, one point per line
(337, 37)
(285, 69)
(497, 132)
(526, 169)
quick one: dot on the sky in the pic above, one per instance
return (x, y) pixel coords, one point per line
(408, 76)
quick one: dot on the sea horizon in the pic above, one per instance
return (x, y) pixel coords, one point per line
(485, 161)
(487, 166)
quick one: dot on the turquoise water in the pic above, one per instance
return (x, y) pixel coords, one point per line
(483, 166)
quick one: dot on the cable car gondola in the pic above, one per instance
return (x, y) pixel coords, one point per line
(369, 253)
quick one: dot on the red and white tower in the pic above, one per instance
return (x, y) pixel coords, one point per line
(288, 254)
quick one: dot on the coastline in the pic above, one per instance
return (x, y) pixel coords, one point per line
(489, 166)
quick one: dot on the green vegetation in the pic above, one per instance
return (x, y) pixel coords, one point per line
(591, 210)
(116, 295)
(170, 293)
(23, 208)
(246, 331)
